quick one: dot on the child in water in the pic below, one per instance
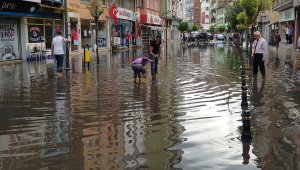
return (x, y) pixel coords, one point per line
(138, 66)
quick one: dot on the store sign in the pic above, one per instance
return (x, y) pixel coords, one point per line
(18, 7)
(287, 15)
(122, 13)
(36, 33)
(8, 41)
(151, 19)
(102, 42)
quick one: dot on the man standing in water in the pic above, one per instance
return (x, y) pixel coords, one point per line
(155, 54)
(259, 54)
(57, 51)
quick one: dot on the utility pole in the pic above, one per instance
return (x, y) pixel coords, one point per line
(67, 68)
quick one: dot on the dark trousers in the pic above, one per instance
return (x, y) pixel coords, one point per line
(138, 69)
(59, 62)
(257, 62)
(154, 65)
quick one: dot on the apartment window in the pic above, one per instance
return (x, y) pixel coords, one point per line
(140, 3)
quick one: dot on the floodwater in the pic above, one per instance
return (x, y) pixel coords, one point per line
(189, 118)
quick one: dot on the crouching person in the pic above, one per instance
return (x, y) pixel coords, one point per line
(138, 67)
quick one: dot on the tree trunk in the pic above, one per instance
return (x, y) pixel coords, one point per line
(251, 45)
(97, 52)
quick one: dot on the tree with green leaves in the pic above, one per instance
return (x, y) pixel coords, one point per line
(183, 26)
(231, 14)
(249, 15)
(96, 9)
(221, 28)
(195, 28)
(212, 28)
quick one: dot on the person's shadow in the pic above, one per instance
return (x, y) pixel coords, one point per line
(257, 97)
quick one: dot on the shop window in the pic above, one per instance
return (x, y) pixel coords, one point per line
(84, 1)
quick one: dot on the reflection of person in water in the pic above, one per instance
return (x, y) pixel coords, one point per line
(257, 97)
(154, 99)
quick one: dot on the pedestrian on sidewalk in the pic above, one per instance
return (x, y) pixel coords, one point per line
(138, 67)
(259, 54)
(277, 39)
(155, 54)
(57, 51)
(127, 36)
(287, 34)
(75, 39)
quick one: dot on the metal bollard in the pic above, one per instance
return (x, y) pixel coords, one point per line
(83, 57)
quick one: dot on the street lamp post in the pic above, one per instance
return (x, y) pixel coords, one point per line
(67, 68)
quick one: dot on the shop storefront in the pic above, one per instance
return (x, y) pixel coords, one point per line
(150, 27)
(27, 27)
(11, 12)
(126, 23)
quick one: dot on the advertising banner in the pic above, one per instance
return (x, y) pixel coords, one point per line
(9, 46)
(36, 33)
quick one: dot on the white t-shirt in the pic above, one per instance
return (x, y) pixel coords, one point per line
(58, 43)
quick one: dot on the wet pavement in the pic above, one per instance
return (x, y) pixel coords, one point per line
(189, 118)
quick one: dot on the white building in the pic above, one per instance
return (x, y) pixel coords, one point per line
(205, 14)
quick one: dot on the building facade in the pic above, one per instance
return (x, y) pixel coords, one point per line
(197, 13)
(286, 17)
(189, 11)
(149, 21)
(205, 15)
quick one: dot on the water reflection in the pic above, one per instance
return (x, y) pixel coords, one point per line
(188, 119)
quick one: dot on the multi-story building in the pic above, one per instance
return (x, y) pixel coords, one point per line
(172, 12)
(148, 17)
(197, 13)
(189, 11)
(205, 14)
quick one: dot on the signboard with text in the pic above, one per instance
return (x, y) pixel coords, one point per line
(102, 42)
(36, 33)
(16, 6)
(151, 19)
(9, 46)
(122, 13)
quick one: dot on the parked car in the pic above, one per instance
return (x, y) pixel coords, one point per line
(203, 36)
(220, 37)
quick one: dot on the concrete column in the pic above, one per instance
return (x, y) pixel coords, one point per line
(23, 34)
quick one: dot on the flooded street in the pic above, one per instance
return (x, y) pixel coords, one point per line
(189, 118)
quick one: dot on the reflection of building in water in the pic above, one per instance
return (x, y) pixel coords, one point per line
(95, 125)
(102, 147)
(134, 139)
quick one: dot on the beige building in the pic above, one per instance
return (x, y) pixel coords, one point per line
(81, 20)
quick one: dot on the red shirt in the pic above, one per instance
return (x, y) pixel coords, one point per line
(277, 37)
(75, 35)
(127, 36)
